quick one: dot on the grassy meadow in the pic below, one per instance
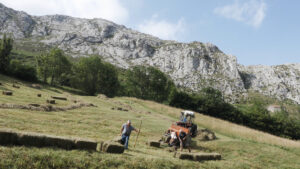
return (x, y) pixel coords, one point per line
(240, 147)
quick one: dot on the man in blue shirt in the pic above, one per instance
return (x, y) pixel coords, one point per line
(125, 133)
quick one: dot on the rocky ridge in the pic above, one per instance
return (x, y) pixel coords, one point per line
(191, 65)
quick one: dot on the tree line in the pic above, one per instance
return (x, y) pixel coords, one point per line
(93, 76)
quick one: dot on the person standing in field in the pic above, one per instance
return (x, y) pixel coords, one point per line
(125, 133)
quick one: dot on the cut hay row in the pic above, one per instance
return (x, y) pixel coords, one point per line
(10, 137)
(48, 108)
(199, 156)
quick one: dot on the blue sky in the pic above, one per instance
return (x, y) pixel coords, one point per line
(263, 32)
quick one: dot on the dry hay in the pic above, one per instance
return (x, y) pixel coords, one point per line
(51, 101)
(8, 93)
(112, 147)
(47, 108)
(205, 135)
(102, 96)
(36, 86)
(153, 144)
(39, 95)
(118, 139)
(199, 156)
(58, 98)
(85, 144)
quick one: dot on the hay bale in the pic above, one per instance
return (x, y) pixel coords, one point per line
(86, 144)
(29, 139)
(39, 95)
(154, 144)
(8, 93)
(8, 137)
(15, 86)
(60, 142)
(112, 147)
(186, 156)
(207, 156)
(58, 98)
(51, 101)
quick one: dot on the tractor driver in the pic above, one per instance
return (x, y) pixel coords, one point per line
(125, 133)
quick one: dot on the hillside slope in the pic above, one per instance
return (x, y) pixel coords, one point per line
(240, 147)
(191, 65)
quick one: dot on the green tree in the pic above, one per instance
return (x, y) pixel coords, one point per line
(43, 65)
(6, 45)
(54, 65)
(148, 83)
(59, 65)
(93, 76)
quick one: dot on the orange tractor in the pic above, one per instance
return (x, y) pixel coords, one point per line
(186, 124)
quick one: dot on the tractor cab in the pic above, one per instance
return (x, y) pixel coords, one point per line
(187, 116)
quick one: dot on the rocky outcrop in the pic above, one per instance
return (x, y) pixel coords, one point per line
(191, 65)
(282, 81)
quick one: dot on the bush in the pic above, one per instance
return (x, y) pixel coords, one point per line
(23, 72)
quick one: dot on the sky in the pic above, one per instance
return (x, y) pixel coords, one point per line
(265, 32)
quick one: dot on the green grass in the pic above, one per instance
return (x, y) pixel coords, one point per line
(239, 146)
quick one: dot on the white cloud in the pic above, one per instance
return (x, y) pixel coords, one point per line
(107, 9)
(162, 28)
(251, 12)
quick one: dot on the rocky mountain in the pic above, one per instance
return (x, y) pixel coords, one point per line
(191, 65)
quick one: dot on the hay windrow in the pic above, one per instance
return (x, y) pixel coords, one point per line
(47, 108)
